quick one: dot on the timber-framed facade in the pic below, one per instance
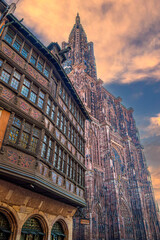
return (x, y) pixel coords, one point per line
(42, 146)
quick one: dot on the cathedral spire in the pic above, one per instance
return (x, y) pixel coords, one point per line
(77, 19)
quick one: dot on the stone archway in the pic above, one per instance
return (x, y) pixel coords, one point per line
(8, 225)
(59, 230)
(34, 228)
(127, 232)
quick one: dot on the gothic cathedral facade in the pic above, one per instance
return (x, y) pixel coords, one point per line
(119, 195)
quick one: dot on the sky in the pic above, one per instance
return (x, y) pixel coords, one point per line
(126, 37)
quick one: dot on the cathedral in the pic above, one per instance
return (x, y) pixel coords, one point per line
(119, 194)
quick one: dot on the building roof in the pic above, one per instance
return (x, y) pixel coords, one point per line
(46, 52)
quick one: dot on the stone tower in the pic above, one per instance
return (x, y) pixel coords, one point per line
(81, 50)
(120, 201)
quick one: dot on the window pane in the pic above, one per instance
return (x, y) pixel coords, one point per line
(24, 91)
(24, 139)
(34, 142)
(55, 156)
(43, 151)
(59, 159)
(53, 112)
(48, 107)
(33, 60)
(9, 36)
(13, 136)
(40, 103)
(5, 76)
(46, 72)
(14, 83)
(26, 83)
(41, 95)
(17, 122)
(36, 132)
(33, 97)
(17, 75)
(58, 118)
(25, 50)
(27, 127)
(17, 44)
(40, 67)
(24, 53)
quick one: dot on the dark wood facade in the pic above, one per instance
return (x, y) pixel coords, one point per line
(41, 118)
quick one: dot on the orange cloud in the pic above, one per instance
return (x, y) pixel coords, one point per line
(153, 129)
(155, 176)
(125, 32)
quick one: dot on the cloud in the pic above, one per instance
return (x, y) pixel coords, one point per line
(153, 129)
(125, 33)
(155, 176)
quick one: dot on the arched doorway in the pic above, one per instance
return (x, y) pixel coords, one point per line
(127, 232)
(57, 232)
(5, 229)
(32, 230)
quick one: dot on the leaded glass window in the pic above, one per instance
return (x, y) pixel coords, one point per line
(33, 94)
(41, 99)
(35, 139)
(64, 161)
(55, 155)
(46, 70)
(18, 43)
(49, 152)
(68, 166)
(32, 230)
(15, 129)
(53, 112)
(57, 232)
(25, 50)
(15, 80)
(62, 122)
(59, 159)
(25, 135)
(44, 147)
(48, 110)
(40, 64)
(5, 76)
(69, 131)
(9, 36)
(33, 58)
(25, 88)
(72, 134)
(75, 137)
(58, 118)
(71, 168)
(65, 126)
